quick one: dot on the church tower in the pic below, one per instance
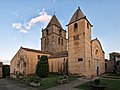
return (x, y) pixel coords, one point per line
(79, 44)
(54, 37)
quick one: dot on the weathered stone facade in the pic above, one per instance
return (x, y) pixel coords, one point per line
(25, 61)
(54, 37)
(85, 56)
(1, 65)
(58, 63)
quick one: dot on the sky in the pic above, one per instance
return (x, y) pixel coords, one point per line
(21, 22)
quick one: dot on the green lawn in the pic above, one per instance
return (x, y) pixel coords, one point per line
(48, 82)
(111, 85)
(51, 81)
(111, 75)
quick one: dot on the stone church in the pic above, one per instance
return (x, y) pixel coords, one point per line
(77, 55)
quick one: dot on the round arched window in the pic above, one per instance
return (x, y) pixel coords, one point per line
(96, 52)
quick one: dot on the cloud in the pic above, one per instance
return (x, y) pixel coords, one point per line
(42, 18)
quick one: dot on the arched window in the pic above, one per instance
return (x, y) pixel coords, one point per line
(46, 31)
(97, 53)
(88, 25)
(89, 63)
(58, 40)
(47, 41)
(75, 25)
(61, 41)
(60, 31)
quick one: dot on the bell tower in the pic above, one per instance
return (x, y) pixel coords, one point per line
(79, 43)
(54, 37)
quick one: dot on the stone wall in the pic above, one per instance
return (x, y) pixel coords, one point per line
(25, 62)
(54, 42)
(56, 65)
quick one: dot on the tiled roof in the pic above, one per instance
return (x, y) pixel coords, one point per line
(34, 50)
(59, 55)
(54, 21)
(115, 54)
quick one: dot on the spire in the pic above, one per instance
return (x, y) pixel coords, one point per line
(54, 21)
(77, 15)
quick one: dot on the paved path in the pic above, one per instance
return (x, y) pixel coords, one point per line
(69, 86)
(8, 84)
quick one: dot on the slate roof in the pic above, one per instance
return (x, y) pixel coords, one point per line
(54, 21)
(59, 55)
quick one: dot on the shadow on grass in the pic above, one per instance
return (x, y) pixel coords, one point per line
(111, 85)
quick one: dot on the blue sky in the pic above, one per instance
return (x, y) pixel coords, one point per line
(21, 22)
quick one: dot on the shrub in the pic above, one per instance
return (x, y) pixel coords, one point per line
(97, 81)
(19, 75)
(34, 78)
(42, 68)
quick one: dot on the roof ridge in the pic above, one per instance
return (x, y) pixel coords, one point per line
(35, 50)
(77, 15)
(54, 21)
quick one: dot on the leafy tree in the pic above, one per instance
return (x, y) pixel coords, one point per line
(42, 68)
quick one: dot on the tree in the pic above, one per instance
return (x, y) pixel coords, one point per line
(42, 68)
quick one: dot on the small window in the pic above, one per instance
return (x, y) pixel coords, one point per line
(75, 25)
(24, 64)
(38, 56)
(76, 37)
(80, 59)
(60, 31)
(46, 31)
(45, 42)
(88, 25)
(58, 40)
(89, 63)
(61, 41)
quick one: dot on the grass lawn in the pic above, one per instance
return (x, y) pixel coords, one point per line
(111, 75)
(51, 81)
(111, 85)
(48, 82)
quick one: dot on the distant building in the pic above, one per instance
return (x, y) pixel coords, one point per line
(1, 65)
(84, 57)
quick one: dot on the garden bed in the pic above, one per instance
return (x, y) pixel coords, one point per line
(48, 82)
